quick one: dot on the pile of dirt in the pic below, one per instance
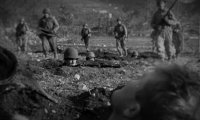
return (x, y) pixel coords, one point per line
(93, 105)
(23, 100)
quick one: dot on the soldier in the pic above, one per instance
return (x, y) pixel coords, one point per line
(48, 27)
(70, 57)
(162, 23)
(21, 38)
(86, 34)
(175, 97)
(90, 56)
(120, 33)
(153, 37)
(177, 39)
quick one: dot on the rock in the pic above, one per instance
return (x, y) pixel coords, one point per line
(77, 77)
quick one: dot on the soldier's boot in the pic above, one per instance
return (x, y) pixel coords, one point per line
(120, 52)
(125, 52)
(55, 55)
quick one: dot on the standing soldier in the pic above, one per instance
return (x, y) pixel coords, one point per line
(120, 32)
(177, 39)
(86, 34)
(48, 27)
(162, 23)
(21, 38)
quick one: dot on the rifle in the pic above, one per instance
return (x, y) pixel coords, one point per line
(168, 12)
(49, 33)
(174, 3)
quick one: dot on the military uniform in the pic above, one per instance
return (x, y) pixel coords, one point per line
(48, 27)
(86, 34)
(177, 39)
(120, 32)
(162, 25)
(21, 38)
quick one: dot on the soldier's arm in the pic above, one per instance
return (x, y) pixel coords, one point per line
(56, 25)
(27, 27)
(39, 25)
(125, 30)
(82, 32)
(153, 23)
(90, 32)
(115, 31)
(171, 19)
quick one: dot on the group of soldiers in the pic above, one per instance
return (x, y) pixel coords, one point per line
(175, 97)
(48, 27)
(166, 33)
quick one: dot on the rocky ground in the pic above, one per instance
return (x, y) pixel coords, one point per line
(83, 93)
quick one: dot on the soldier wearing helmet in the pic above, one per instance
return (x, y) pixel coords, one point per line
(71, 56)
(90, 56)
(162, 23)
(21, 35)
(177, 39)
(120, 32)
(48, 26)
(86, 34)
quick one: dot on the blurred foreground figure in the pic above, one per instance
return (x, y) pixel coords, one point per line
(167, 93)
(86, 34)
(48, 26)
(21, 38)
(162, 23)
(70, 57)
(19, 101)
(120, 32)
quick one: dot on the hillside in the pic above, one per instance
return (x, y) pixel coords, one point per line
(73, 13)
(12, 10)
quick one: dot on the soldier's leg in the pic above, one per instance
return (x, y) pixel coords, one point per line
(18, 43)
(178, 46)
(25, 43)
(117, 46)
(53, 45)
(123, 45)
(160, 46)
(86, 41)
(44, 45)
(169, 46)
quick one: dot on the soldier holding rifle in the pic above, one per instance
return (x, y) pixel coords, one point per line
(162, 23)
(48, 27)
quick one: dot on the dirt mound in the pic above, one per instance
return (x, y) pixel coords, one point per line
(18, 99)
(93, 105)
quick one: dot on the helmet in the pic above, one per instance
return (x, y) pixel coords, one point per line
(159, 1)
(8, 64)
(119, 19)
(46, 11)
(71, 53)
(22, 20)
(85, 25)
(91, 55)
(135, 54)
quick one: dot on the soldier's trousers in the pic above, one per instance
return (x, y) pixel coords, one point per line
(164, 43)
(120, 42)
(22, 43)
(48, 41)
(86, 41)
(177, 41)
(153, 37)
